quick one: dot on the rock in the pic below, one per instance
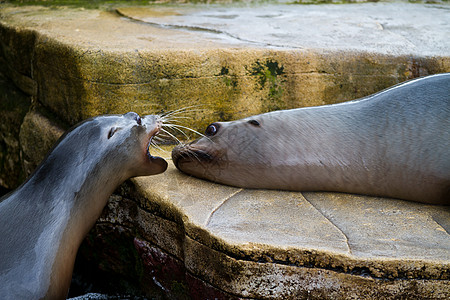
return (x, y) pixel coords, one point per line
(38, 133)
(13, 106)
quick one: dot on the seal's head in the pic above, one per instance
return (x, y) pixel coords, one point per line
(118, 144)
(230, 152)
(133, 135)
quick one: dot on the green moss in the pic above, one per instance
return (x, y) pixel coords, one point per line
(230, 80)
(266, 72)
(269, 77)
(307, 2)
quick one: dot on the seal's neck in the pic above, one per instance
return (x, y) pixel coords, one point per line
(69, 204)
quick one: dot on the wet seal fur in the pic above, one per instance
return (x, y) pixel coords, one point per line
(43, 222)
(395, 143)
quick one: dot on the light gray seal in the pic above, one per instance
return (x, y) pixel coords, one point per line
(43, 222)
(395, 143)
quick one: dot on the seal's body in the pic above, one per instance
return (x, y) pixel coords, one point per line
(43, 222)
(395, 143)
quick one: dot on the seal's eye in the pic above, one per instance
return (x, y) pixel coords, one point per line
(254, 123)
(212, 129)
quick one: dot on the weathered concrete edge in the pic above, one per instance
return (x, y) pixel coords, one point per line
(302, 257)
(256, 279)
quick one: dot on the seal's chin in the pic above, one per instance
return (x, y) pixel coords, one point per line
(159, 165)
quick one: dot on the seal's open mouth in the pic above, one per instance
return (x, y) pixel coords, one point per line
(150, 141)
(161, 164)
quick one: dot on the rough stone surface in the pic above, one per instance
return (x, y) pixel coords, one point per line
(13, 106)
(179, 237)
(38, 133)
(395, 28)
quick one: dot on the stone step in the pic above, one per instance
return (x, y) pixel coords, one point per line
(189, 238)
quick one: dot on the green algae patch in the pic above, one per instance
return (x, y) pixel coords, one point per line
(269, 76)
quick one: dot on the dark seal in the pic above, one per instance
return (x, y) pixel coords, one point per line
(395, 143)
(43, 222)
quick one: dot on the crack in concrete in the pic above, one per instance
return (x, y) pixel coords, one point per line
(221, 204)
(335, 225)
(156, 80)
(204, 30)
(25, 83)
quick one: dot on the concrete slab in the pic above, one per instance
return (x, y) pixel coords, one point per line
(386, 28)
(360, 226)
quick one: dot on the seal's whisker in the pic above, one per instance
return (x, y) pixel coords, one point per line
(174, 112)
(171, 135)
(174, 119)
(163, 135)
(184, 127)
(180, 110)
(177, 129)
(156, 146)
(193, 154)
(158, 138)
(162, 138)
